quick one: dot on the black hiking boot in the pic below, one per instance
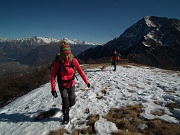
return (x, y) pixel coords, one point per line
(66, 119)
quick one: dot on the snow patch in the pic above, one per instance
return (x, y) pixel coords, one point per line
(149, 22)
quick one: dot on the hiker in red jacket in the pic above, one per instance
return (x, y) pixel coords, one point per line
(64, 70)
(115, 58)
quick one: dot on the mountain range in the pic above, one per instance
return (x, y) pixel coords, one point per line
(34, 50)
(154, 41)
(36, 40)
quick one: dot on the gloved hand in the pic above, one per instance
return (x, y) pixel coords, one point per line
(88, 85)
(54, 93)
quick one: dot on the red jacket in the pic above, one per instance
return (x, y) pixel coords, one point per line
(66, 76)
(115, 57)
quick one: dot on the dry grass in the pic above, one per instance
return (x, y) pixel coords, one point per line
(158, 112)
(127, 119)
(89, 130)
(121, 132)
(84, 131)
(173, 105)
(159, 127)
(92, 119)
(60, 131)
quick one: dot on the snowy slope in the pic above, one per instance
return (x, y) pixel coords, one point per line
(127, 86)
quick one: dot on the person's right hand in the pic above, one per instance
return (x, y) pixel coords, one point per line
(88, 85)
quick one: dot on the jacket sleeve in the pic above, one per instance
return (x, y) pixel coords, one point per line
(53, 75)
(80, 71)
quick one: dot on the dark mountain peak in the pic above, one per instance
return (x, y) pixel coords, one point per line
(151, 28)
(151, 35)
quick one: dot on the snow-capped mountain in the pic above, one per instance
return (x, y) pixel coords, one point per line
(36, 40)
(76, 41)
(149, 32)
(34, 50)
(31, 41)
(152, 40)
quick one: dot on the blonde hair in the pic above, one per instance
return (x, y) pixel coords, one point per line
(63, 57)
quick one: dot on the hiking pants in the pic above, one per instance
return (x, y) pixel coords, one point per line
(114, 64)
(68, 98)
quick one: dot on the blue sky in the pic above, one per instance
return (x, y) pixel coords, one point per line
(90, 20)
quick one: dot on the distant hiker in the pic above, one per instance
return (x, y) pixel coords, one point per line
(115, 59)
(64, 69)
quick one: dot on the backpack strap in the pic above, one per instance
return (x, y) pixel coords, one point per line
(72, 65)
(62, 67)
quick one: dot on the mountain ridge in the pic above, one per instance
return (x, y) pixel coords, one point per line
(34, 50)
(153, 41)
(45, 40)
